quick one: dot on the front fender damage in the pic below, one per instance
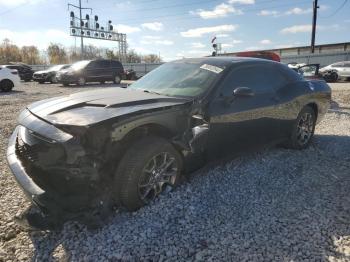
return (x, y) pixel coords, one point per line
(93, 159)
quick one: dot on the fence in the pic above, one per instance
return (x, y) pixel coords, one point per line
(140, 68)
(322, 59)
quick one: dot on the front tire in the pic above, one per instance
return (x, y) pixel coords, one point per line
(117, 79)
(6, 85)
(81, 81)
(145, 171)
(303, 129)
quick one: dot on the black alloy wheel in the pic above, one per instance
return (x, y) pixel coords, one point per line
(151, 166)
(303, 129)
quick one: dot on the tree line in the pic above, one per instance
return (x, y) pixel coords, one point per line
(58, 54)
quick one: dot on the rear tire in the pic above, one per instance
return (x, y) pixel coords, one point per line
(145, 170)
(303, 129)
(6, 85)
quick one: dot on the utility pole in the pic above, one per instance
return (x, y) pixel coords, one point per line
(81, 36)
(314, 20)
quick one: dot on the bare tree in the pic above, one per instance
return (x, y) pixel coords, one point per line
(9, 52)
(57, 54)
(152, 58)
(31, 55)
(133, 57)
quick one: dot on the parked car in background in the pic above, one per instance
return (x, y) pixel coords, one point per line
(312, 71)
(100, 70)
(118, 146)
(130, 74)
(48, 75)
(341, 69)
(9, 78)
(25, 72)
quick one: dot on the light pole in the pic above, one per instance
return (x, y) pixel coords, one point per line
(314, 20)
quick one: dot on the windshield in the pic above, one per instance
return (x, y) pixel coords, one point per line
(179, 79)
(80, 64)
(56, 68)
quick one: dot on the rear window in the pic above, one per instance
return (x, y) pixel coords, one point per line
(292, 74)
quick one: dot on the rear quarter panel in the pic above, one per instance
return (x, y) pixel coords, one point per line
(298, 94)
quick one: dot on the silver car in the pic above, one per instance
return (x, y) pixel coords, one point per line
(342, 68)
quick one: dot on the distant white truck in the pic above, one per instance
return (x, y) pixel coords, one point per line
(9, 78)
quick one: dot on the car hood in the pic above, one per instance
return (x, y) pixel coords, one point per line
(65, 71)
(43, 72)
(92, 107)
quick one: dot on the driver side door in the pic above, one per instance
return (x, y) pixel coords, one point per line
(242, 122)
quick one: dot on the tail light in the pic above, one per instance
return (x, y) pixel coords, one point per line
(14, 72)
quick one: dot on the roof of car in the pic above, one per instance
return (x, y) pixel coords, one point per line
(225, 60)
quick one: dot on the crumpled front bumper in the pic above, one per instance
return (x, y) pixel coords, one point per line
(34, 193)
(48, 188)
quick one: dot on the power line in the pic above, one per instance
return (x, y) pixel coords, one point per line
(14, 8)
(336, 11)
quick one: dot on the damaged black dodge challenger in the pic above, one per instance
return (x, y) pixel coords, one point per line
(124, 147)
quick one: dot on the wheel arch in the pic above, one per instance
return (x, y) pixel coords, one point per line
(314, 107)
(149, 129)
(7, 79)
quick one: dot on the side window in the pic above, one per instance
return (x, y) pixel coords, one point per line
(102, 64)
(338, 65)
(308, 70)
(260, 78)
(116, 64)
(91, 65)
(347, 64)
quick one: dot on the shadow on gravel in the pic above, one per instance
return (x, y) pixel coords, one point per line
(278, 205)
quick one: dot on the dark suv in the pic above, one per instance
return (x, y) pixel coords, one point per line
(100, 70)
(25, 72)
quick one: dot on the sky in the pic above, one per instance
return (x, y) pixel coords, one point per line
(182, 28)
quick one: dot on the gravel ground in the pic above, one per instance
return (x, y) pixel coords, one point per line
(275, 204)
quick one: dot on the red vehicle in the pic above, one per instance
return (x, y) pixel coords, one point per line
(260, 54)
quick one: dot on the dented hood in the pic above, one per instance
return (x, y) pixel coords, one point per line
(91, 107)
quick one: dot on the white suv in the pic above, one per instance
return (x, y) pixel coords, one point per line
(8, 79)
(342, 68)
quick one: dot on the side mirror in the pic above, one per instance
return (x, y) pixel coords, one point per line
(239, 92)
(243, 91)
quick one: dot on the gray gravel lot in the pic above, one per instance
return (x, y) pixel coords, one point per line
(275, 204)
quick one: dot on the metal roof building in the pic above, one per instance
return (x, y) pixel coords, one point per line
(324, 54)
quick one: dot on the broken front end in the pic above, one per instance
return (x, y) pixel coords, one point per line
(53, 168)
